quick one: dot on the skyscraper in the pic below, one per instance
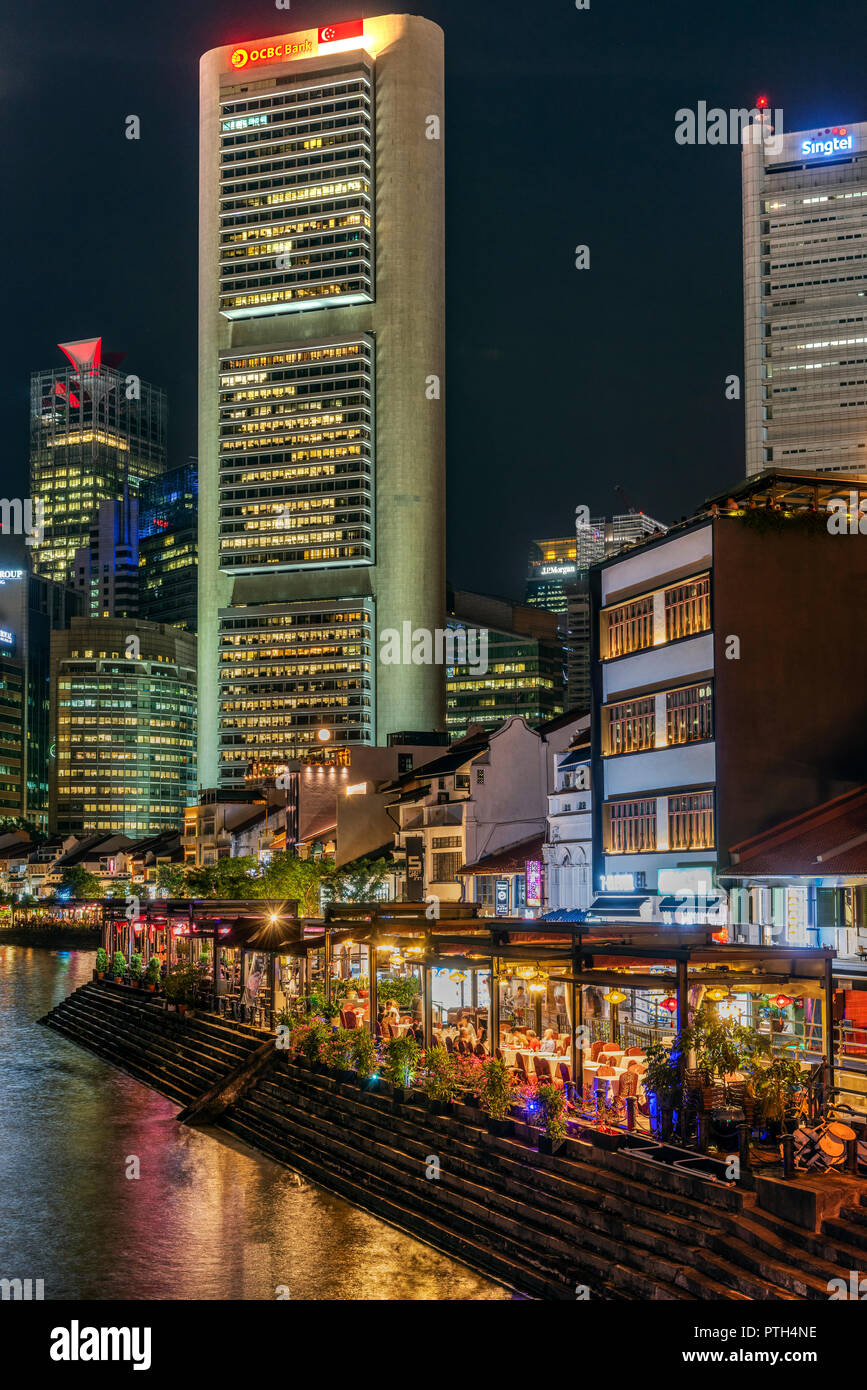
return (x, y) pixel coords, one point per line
(31, 608)
(168, 548)
(94, 430)
(124, 725)
(105, 572)
(805, 311)
(321, 447)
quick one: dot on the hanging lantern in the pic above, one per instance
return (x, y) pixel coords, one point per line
(614, 996)
(670, 1004)
(457, 976)
(782, 1001)
(717, 994)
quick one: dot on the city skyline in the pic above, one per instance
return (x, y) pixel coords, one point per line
(682, 441)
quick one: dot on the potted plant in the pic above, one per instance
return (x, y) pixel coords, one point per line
(180, 986)
(153, 974)
(497, 1094)
(400, 1064)
(662, 1083)
(312, 1043)
(469, 1075)
(101, 963)
(363, 1056)
(135, 968)
(780, 1092)
(118, 967)
(551, 1101)
(336, 1052)
(438, 1080)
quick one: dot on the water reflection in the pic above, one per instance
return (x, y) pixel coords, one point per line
(207, 1219)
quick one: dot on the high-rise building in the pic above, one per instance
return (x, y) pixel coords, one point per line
(106, 571)
(550, 574)
(321, 446)
(124, 726)
(521, 670)
(168, 548)
(31, 608)
(95, 431)
(805, 297)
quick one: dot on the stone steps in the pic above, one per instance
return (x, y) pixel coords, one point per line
(576, 1219)
(179, 1056)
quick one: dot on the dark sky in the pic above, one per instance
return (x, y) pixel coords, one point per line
(559, 130)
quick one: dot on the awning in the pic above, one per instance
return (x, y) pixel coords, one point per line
(618, 905)
(564, 914)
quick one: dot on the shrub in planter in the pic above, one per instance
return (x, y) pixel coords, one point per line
(135, 968)
(180, 984)
(400, 1064)
(551, 1102)
(497, 1094)
(470, 1077)
(662, 1081)
(153, 974)
(363, 1055)
(118, 966)
(336, 1052)
(101, 962)
(311, 1045)
(438, 1079)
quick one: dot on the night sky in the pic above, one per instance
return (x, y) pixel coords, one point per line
(559, 130)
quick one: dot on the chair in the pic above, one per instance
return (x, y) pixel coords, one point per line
(635, 1051)
(565, 1073)
(394, 1030)
(480, 1050)
(595, 1050)
(498, 1053)
(542, 1067)
(521, 1065)
(629, 1084)
(379, 1033)
(450, 1046)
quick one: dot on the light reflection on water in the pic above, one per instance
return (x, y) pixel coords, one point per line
(207, 1219)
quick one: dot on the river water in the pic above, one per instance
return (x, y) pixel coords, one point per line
(207, 1218)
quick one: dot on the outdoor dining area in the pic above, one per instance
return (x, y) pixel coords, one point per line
(637, 1027)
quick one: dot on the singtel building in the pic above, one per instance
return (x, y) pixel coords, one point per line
(805, 298)
(321, 447)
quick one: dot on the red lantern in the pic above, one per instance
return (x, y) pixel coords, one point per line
(782, 1001)
(670, 1003)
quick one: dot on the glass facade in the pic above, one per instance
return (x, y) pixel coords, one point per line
(287, 671)
(88, 440)
(296, 194)
(168, 548)
(296, 458)
(126, 735)
(524, 676)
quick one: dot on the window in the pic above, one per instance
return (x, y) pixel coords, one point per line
(480, 776)
(485, 890)
(630, 626)
(631, 826)
(445, 867)
(690, 821)
(631, 726)
(689, 714)
(447, 842)
(404, 763)
(687, 608)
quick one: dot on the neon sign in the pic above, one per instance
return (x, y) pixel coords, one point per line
(834, 140)
(305, 44)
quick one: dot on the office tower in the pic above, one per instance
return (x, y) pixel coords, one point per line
(168, 548)
(124, 726)
(321, 445)
(550, 573)
(106, 571)
(94, 430)
(521, 665)
(805, 281)
(31, 608)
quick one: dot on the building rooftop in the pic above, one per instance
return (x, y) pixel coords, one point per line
(829, 840)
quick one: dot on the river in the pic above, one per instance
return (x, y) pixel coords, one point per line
(207, 1218)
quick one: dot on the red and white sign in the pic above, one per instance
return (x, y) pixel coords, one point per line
(305, 44)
